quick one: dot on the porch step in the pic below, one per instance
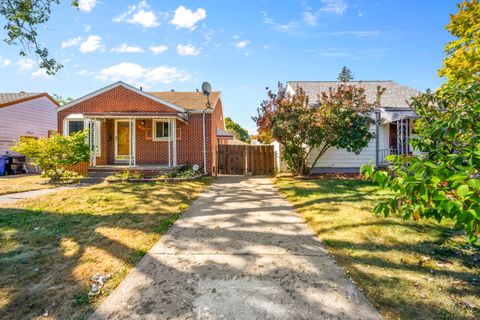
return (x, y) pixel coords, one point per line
(100, 174)
(146, 170)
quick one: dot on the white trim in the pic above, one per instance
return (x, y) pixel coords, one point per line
(154, 129)
(66, 127)
(174, 131)
(126, 86)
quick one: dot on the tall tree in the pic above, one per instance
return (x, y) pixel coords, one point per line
(22, 19)
(345, 75)
(462, 61)
(237, 130)
(342, 120)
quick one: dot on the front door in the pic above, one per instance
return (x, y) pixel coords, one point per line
(122, 140)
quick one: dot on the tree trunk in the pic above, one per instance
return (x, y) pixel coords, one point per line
(320, 154)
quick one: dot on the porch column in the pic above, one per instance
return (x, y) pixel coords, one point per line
(174, 129)
(134, 142)
(169, 144)
(92, 142)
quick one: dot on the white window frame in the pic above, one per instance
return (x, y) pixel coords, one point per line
(67, 125)
(98, 131)
(154, 124)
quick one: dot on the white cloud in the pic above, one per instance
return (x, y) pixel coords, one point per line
(4, 62)
(71, 42)
(86, 5)
(87, 28)
(141, 75)
(40, 73)
(310, 18)
(25, 64)
(164, 74)
(82, 72)
(334, 6)
(158, 49)
(125, 48)
(187, 50)
(139, 14)
(242, 44)
(186, 18)
(93, 43)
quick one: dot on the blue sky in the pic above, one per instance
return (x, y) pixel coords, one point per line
(240, 47)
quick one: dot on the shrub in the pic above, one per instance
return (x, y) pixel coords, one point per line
(56, 154)
(445, 183)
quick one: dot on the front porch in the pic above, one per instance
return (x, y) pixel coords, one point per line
(139, 143)
(398, 130)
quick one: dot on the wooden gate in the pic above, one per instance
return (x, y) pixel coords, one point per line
(245, 159)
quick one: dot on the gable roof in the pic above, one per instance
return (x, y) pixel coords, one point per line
(8, 99)
(395, 96)
(195, 101)
(126, 86)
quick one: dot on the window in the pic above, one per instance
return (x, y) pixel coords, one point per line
(75, 126)
(161, 130)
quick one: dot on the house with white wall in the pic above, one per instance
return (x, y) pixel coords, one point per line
(24, 114)
(392, 136)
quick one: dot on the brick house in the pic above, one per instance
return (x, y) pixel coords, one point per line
(135, 129)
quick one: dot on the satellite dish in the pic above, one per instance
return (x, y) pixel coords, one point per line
(195, 167)
(206, 88)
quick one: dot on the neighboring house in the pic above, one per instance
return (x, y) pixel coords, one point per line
(25, 114)
(130, 127)
(395, 129)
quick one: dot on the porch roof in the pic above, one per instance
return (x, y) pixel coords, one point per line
(389, 115)
(134, 115)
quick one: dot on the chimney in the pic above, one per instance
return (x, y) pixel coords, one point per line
(171, 90)
(141, 88)
(197, 90)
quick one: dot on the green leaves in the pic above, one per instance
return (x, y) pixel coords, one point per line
(21, 20)
(56, 154)
(445, 183)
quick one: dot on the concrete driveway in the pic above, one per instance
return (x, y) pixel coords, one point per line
(239, 252)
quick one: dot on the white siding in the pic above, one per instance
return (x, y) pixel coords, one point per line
(338, 158)
(30, 118)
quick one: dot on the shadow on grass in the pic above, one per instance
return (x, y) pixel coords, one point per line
(341, 213)
(46, 257)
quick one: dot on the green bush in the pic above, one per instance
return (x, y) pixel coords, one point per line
(56, 154)
(445, 183)
(128, 174)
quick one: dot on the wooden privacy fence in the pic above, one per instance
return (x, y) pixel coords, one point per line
(245, 159)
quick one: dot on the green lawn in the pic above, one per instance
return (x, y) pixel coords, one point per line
(409, 270)
(51, 246)
(22, 183)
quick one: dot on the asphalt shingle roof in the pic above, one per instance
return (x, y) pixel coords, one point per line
(11, 97)
(395, 95)
(187, 100)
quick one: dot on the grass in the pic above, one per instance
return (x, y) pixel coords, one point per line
(409, 270)
(51, 246)
(23, 183)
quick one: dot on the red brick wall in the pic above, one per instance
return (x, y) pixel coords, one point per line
(189, 146)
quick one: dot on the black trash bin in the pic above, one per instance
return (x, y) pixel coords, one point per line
(3, 163)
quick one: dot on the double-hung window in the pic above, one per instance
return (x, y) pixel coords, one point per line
(161, 130)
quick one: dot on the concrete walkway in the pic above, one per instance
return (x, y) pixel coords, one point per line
(9, 198)
(239, 252)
